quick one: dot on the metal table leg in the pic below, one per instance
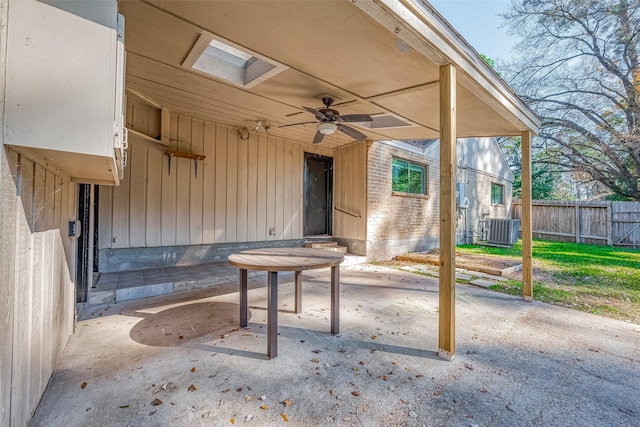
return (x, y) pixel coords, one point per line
(335, 300)
(244, 303)
(298, 281)
(272, 314)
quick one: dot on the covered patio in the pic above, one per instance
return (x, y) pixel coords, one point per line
(186, 351)
(264, 68)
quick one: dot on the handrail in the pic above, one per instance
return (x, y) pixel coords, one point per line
(348, 213)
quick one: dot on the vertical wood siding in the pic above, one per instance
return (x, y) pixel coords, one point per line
(37, 294)
(242, 189)
(350, 184)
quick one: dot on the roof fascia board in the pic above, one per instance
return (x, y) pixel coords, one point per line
(430, 35)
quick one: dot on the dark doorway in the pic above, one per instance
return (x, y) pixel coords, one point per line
(82, 263)
(318, 184)
(87, 261)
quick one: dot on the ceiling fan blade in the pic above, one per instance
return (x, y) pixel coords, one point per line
(316, 113)
(358, 136)
(318, 138)
(351, 132)
(296, 124)
(356, 118)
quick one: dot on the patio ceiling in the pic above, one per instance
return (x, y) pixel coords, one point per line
(375, 57)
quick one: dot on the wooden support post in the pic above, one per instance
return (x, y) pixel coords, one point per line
(447, 278)
(527, 230)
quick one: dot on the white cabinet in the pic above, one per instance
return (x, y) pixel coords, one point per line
(64, 96)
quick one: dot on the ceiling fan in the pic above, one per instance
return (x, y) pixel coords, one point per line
(329, 120)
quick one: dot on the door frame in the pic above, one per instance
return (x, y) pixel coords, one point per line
(329, 193)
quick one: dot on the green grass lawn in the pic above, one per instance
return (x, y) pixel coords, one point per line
(598, 279)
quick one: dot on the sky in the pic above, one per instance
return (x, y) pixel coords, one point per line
(478, 22)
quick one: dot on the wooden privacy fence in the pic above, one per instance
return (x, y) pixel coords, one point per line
(600, 223)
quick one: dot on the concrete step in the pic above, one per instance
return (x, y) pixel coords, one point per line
(327, 244)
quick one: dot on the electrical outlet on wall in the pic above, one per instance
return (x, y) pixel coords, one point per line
(272, 231)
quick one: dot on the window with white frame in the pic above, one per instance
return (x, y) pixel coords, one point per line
(497, 194)
(408, 177)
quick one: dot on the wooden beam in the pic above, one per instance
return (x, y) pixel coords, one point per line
(165, 126)
(527, 227)
(447, 278)
(144, 98)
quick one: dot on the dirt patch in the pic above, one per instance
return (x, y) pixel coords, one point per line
(486, 263)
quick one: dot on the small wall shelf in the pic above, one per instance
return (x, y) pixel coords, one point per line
(194, 157)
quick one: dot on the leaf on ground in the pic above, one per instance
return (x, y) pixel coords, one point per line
(263, 397)
(124, 406)
(83, 385)
(193, 369)
(247, 398)
(394, 363)
(373, 337)
(153, 412)
(316, 351)
(468, 366)
(419, 376)
(287, 403)
(248, 418)
(342, 350)
(355, 393)
(384, 377)
(232, 421)
(484, 390)
(314, 360)
(364, 407)
(331, 392)
(239, 389)
(156, 402)
(361, 363)
(264, 407)
(227, 390)
(436, 393)
(192, 387)
(284, 417)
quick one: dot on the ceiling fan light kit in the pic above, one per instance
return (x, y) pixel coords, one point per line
(327, 128)
(330, 120)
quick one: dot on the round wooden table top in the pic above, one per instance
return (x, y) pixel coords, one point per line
(285, 259)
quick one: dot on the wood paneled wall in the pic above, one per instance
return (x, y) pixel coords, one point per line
(241, 190)
(37, 295)
(349, 200)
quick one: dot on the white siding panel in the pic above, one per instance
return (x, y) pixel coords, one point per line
(243, 188)
(195, 189)
(209, 184)
(33, 220)
(183, 172)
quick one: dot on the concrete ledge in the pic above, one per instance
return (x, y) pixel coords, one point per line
(127, 259)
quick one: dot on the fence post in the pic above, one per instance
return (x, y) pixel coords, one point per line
(577, 222)
(609, 224)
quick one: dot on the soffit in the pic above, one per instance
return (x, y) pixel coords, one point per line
(330, 47)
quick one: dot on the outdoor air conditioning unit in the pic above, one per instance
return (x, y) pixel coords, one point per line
(503, 232)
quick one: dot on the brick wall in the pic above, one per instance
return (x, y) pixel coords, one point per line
(399, 223)
(478, 191)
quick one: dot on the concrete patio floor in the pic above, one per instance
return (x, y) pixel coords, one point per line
(517, 363)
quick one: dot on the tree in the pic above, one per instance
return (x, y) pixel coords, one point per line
(577, 66)
(543, 176)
